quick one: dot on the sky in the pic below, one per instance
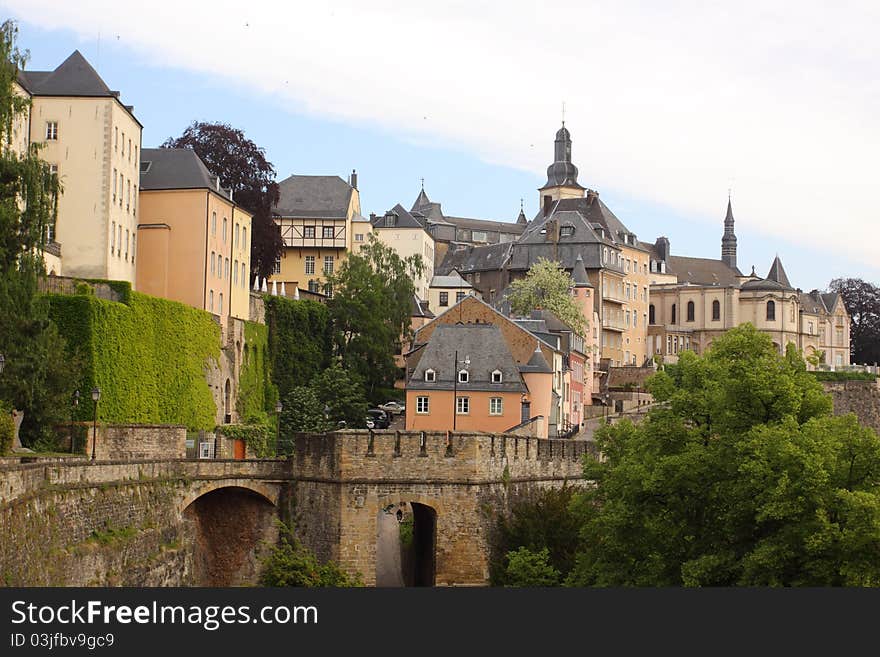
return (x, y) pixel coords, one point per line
(671, 106)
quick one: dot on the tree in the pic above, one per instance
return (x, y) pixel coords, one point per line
(37, 378)
(290, 564)
(547, 286)
(528, 568)
(302, 411)
(740, 477)
(242, 166)
(370, 310)
(342, 393)
(862, 301)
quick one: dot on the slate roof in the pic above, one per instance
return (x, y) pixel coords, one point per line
(776, 279)
(489, 257)
(830, 299)
(487, 225)
(579, 273)
(451, 280)
(537, 364)
(420, 308)
(73, 77)
(811, 303)
(313, 197)
(176, 168)
(702, 271)
(404, 219)
(483, 344)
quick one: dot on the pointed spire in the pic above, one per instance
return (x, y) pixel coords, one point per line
(579, 273)
(728, 240)
(296, 293)
(777, 273)
(521, 217)
(422, 200)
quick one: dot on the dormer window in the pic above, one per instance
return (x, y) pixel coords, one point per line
(567, 230)
(463, 376)
(496, 376)
(390, 220)
(430, 376)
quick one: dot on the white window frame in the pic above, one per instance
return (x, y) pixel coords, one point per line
(328, 229)
(310, 265)
(423, 405)
(496, 406)
(430, 376)
(463, 376)
(497, 376)
(51, 130)
(462, 405)
(328, 265)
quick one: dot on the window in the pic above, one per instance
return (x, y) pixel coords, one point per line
(129, 150)
(309, 232)
(132, 247)
(113, 238)
(459, 296)
(224, 228)
(123, 144)
(430, 376)
(422, 405)
(444, 298)
(810, 328)
(673, 313)
(134, 200)
(716, 311)
(496, 406)
(358, 237)
(114, 185)
(328, 232)
(119, 239)
(226, 268)
(213, 264)
(477, 277)
(462, 405)
(478, 236)
(220, 265)
(115, 139)
(235, 272)
(128, 195)
(496, 376)
(389, 220)
(51, 130)
(244, 237)
(211, 301)
(213, 223)
(328, 290)
(463, 376)
(605, 255)
(244, 279)
(651, 318)
(236, 236)
(121, 185)
(127, 238)
(566, 231)
(771, 311)
(310, 264)
(328, 264)
(220, 311)
(635, 318)
(690, 311)
(135, 153)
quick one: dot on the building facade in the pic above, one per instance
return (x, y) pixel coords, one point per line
(399, 230)
(92, 141)
(194, 239)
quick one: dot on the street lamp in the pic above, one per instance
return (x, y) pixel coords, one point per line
(278, 408)
(96, 396)
(72, 433)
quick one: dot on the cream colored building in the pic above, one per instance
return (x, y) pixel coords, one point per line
(321, 223)
(447, 290)
(695, 300)
(399, 230)
(194, 239)
(93, 141)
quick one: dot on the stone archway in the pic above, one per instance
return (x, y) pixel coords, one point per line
(406, 545)
(230, 528)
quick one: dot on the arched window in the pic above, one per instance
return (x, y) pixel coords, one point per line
(651, 318)
(496, 376)
(463, 376)
(771, 311)
(430, 376)
(716, 310)
(690, 311)
(673, 313)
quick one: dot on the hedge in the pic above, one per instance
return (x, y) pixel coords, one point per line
(148, 357)
(260, 438)
(843, 376)
(299, 341)
(256, 393)
(7, 429)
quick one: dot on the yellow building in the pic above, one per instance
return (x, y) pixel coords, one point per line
(320, 221)
(93, 142)
(194, 239)
(408, 237)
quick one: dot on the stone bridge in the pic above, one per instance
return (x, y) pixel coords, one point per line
(207, 522)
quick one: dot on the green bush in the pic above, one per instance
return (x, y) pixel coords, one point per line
(260, 438)
(299, 341)
(148, 357)
(290, 564)
(843, 376)
(7, 429)
(527, 568)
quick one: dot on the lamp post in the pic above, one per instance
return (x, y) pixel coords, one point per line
(72, 436)
(96, 396)
(278, 408)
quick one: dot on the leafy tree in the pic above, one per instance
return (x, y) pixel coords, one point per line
(242, 166)
(302, 411)
(740, 477)
(290, 564)
(547, 286)
(299, 341)
(371, 309)
(542, 520)
(527, 568)
(37, 378)
(862, 301)
(342, 393)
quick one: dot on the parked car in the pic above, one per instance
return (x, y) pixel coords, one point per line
(377, 419)
(392, 407)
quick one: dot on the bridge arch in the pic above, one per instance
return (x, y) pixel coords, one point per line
(406, 540)
(230, 527)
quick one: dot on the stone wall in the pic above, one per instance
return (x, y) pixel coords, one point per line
(138, 441)
(859, 397)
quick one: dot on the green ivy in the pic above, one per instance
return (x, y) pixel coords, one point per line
(260, 438)
(148, 357)
(256, 392)
(843, 376)
(7, 429)
(299, 341)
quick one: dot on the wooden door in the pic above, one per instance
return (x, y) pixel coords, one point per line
(238, 449)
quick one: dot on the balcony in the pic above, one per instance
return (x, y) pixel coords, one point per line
(613, 324)
(614, 297)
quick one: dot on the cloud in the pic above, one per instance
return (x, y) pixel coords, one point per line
(670, 103)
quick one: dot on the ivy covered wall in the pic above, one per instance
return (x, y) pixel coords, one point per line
(148, 357)
(299, 341)
(256, 392)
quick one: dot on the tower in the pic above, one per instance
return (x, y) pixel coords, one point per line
(562, 175)
(728, 240)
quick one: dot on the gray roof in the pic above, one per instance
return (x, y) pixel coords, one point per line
(702, 271)
(830, 299)
(73, 77)
(537, 364)
(487, 225)
(811, 303)
(176, 168)
(483, 344)
(489, 257)
(776, 279)
(579, 273)
(594, 211)
(313, 197)
(451, 280)
(403, 219)
(420, 308)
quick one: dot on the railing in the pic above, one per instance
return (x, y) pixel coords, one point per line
(613, 324)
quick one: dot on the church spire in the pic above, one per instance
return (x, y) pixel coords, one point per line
(562, 173)
(728, 240)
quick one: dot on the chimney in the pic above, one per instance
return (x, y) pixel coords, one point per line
(548, 204)
(354, 179)
(592, 195)
(372, 217)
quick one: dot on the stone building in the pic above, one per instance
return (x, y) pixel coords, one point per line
(400, 230)
(92, 141)
(694, 300)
